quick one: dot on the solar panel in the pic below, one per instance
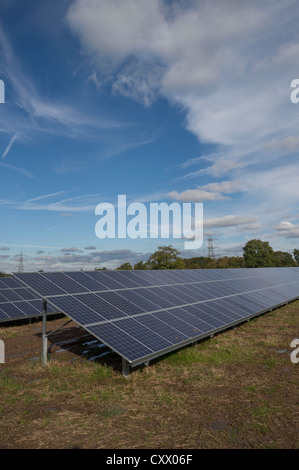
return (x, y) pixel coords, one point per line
(18, 302)
(144, 314)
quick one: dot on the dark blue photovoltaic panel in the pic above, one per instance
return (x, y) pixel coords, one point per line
(143, 334)
(100, 306)
(164, 293)
(29, 309)
(180, 293)
(192, 315)
(149, 294)
(146, 279)
(17, 301)
(207, 314)
(232, 307)
(10, 295)
(110, 279)
(37, 306)
(165, 330)
(80, 312)
(197, 292)
(9, 283)
(86, 280)
(40, 284)
(173, 318)
(155, 277)
(125, 345)
(222, 312)
(26, 294)
(140, 278)
(242, 302)
(125, 277)
(137, 298)
(197, 326)
(115, 299)
(11, 311)
(65, 282)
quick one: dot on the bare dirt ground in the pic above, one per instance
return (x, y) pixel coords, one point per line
(236, 390)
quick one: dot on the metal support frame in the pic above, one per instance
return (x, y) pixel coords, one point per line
(59, 328)
(45, 338)
(46, 335)
(125, 368)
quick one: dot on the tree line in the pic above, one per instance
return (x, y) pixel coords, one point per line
(256, 254)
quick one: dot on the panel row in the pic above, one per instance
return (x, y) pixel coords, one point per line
(88, 308)
(96, 281)
(150, 334)
(215, 281)
(145, 320)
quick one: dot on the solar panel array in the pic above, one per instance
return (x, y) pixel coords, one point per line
(18, 302)
(144, 314)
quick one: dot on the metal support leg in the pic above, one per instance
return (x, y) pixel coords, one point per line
(45, 338)
(125, 368)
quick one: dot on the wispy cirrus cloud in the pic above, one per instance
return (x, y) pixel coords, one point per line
(10, 144)
(28, 112)
(14, 168)
(46, 196)
(82, 203)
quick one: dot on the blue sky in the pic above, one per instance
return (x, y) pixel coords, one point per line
(164, 101)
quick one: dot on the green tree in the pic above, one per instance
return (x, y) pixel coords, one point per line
(196, 262)
(210, 263)
(124, 267)
(236, 262)
(258, 254)
(140, 265)
(296, 255)
(166, 257)
(223, 262)
(283, 259)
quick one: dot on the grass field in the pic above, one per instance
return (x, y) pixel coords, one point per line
(236, 390)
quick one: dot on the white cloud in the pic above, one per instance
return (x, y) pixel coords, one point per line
(288, 230)
(289, 144)
(228, 221)
(73, 249)
(225, 187)
(207, 192)
(94, 79)
(195, 195)
(227, 63)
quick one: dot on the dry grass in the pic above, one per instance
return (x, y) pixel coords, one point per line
(236, 390)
